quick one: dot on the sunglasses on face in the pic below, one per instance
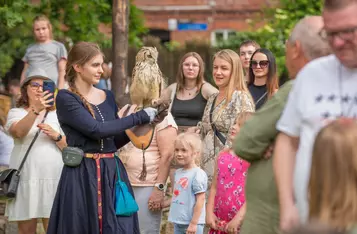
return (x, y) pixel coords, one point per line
(263, 64)
(35, 85)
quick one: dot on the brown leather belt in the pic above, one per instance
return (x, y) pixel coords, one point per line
(97, 157)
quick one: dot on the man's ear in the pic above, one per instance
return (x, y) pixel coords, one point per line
(296, 50)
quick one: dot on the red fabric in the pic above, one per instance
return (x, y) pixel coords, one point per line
(97, 158)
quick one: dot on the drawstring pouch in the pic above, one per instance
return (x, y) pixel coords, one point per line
(125, 204)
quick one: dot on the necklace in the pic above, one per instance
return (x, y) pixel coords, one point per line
(189, 93)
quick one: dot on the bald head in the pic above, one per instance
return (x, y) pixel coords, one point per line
(306, 31)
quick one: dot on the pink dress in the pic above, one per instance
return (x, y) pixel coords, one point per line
(232, 172)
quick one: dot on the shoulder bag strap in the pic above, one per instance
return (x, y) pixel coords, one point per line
(29, 148)
(116, 161)
(173, 94)
(261, 98)
(216, 132)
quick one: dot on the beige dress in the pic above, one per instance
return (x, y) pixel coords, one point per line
(223, 116)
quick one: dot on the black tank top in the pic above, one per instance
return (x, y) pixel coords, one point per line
(188, 112)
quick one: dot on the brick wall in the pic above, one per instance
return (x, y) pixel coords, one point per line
(217, 14)
(170, 2)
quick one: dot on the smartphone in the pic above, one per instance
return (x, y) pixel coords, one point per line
(50, 86)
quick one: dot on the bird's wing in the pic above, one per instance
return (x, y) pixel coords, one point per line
(133, 75)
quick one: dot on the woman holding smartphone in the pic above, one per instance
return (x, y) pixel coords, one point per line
(42, 169)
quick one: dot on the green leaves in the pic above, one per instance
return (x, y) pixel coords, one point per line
(72, 21)
(279, 22)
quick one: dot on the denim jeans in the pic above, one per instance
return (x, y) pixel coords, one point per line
(181, 228)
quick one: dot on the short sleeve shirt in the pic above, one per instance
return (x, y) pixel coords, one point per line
(323, 91)
(188, 183)
(45, 56)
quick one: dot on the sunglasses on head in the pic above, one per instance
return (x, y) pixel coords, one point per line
(262, 64)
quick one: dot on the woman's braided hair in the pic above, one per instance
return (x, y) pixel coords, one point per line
(80, 54)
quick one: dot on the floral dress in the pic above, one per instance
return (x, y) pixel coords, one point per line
(223, 116)
(231, 176)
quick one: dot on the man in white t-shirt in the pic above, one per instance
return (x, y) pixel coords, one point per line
(324, 90)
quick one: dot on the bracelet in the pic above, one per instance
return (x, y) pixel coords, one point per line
(36, 113)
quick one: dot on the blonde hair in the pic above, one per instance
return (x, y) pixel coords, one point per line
(180, 78)
(191, 141)
(236, 81)
(43, 18)
(80, 53)
(333, 181)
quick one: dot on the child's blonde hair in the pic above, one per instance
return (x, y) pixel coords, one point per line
(192, 141)
(333, 181)
(243, 117)
(43, 18)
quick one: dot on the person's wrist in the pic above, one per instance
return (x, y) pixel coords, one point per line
(159, 191)
(58, 138)
(194, 223)
(160, 186)
(35, 111)
(239, 218)
(286, 202)
(38, 110)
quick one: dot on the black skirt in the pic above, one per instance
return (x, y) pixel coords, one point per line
(75, 208)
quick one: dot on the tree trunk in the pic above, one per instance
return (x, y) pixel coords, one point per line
(120, 32)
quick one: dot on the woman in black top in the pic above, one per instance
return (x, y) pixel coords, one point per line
(84, 201)
(190, 92)
(263, 80)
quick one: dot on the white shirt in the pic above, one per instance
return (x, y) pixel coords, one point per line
(322, 91)
(6, 145)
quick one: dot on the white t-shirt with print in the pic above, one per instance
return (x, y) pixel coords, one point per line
(324, 89)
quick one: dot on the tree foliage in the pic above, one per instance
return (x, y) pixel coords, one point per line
(72, 21)
(279, 22)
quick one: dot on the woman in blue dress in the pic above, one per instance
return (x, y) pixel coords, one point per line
(84, 202)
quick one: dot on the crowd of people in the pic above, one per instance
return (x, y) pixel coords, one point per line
(243, 155)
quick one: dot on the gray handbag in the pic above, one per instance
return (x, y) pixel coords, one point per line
(72, 156)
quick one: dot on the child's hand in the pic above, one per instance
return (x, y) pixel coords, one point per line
(193, 130)
(232, 227)
(212, 220)
(269, 152)
(192, 229)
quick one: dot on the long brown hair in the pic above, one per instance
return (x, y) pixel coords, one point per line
(80, 54)
(23, 100)
(42, 18)
(333, 181)
(236, 81)
(180, 78)
(272, 82)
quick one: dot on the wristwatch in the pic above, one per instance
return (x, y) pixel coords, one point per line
(58, 138)
(160, 186)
